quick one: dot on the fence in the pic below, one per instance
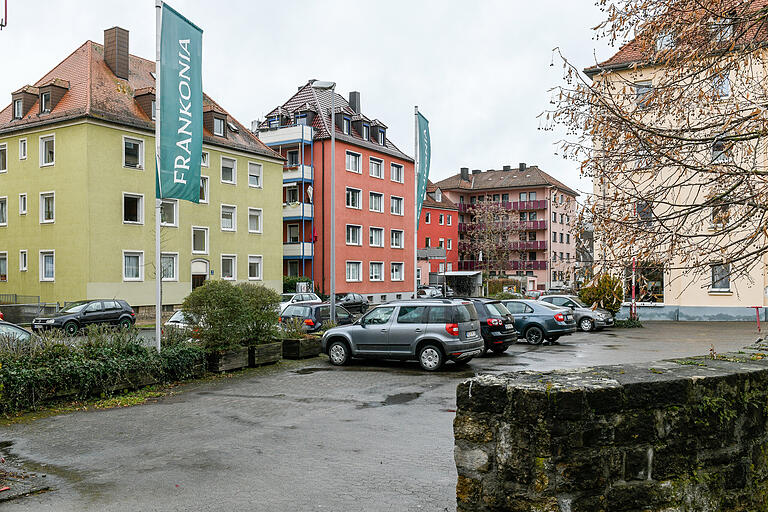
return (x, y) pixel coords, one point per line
(14, 298)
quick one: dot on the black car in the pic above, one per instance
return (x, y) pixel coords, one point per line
(497, 325)
(13, 331)
(313, 316)
(353, 302)
(88, 312)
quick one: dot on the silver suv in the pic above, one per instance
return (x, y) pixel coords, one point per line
(430, 331)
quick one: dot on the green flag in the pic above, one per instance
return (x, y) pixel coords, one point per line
(423, 151)
(180, 110)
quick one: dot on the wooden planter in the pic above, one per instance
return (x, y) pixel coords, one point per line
(267, 353)
(230, 360)
(301, 348)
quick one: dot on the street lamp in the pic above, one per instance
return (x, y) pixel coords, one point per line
(331, 86)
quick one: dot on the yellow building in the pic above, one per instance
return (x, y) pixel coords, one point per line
(77, 190)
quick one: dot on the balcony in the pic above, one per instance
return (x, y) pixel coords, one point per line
(522, 245)
(295, 134)
(540, 204)
(507, 265)
(297, 210)
(512, 225)
(298, 250)
(297, 173)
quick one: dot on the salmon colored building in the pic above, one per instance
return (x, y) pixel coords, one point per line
(438, 228)
(374, 196)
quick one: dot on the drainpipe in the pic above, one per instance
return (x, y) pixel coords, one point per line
(322, 226)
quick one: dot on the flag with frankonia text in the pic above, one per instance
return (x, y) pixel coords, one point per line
(179, 107)
(423, 153)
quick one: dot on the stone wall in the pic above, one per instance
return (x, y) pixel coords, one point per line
(677, 435)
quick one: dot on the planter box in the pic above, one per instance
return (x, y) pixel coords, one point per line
(231, 360)
(301, 348)
(267, 353)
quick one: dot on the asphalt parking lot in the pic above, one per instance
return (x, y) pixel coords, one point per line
(373, 436)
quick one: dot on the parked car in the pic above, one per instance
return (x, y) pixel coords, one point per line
(292, 298)
(352, 302)
(533, 294)
(429, 292)
(537, 321)
(180, 321)
(314, 316)
(7, 329)
(88, 312)
(430, 331)
(587, 318)
(497, 325)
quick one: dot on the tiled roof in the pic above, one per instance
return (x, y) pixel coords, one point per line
(532, 176)
(94, 91)
(431, 202)
(319, 100)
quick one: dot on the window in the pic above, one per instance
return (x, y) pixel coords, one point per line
(228, 218)
(376, 202)
(199, 240)
(441, 242)
(554, 236)
(561, 218)
(449, 244)
(649, 283)
(531, 236)
(218, 126)
(204, 189)
(133, 266)
(47, 150)
(376, 168)
(3, 267)
(532, 196)
(722, 30)
(643, 93)
(354, 271)
(3, 158)
(381, 138)
(567, 256)
(274, 122)
(523, 196)
(353, 162)
(345, 124)
(441, 219)
(721, 86)
(567, 238)
(301, 119)
(719, 152)
(561, 238)
(396, 205)
(254, 175)
(229, 267)
(720, 215)
(721, 277)
(22, 204)
(449, 220)
(532, 216)
(168, 212)
(354, 235)
(532, 256)
(496, 197)
(366, 132)
(396, 271)
(665, 41)
(3, 211)
(254, 268)
(396, 239)
(427, 241)
(376, 271)
(47, 265)
(205, 159)
(228, 170)
(133, 209)
(169, 263)
(292, 194)
(23, 263)
(397, 173)
(427, 218)
(293, 233)
(411, 314)
(47, 207)
(354, 198)
(133, 153)
(562, 198)
(45, 102)
(18, 113)
(293, 158)
(254, 220)
(376, 237)
(22, 149)
(154, 110)
(644, 212)
(293, 268)
(554, 216)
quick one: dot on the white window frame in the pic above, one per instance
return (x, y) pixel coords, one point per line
(359, 231)
(43, 139)
(359, 271)
(712, 287)
(41, 260)
(448, 244)
(427, 218)
(370, 268)
(23, 155)
(44, 102)
(4, 255)
(18, 113)
(234, 170)
(391, 271)
(140, 197)
(259, 277)
(371, 160)
(205, 184)
(207, 239)
(288, 233)
(449, 219)
(402, 238)
(233, 257)
(223, 127)
(359, 198)
(175, 223)
(346, 125)
(4, 147)
(261, 219)
(392, 168)
(441, 219)
(402, 205)
(359, 156)
(205, 159)
(381, 137)
(381, 197)
(23, 211)
(233, 208)
(23, 260)
(370, 231)
(5, 199)
(441, 242)
(141, 265)
(42, 207)
(175, 257)
(259, 176)
(142, 145)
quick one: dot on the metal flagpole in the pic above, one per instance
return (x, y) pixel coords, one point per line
(416, 201)
(158, 201)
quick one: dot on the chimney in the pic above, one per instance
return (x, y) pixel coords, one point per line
(507, 167)
(354, 101)
(522, 166)
(465, 173)
(476, 171)
(116, 51)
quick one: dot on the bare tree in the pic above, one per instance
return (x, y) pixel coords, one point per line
(672, 131)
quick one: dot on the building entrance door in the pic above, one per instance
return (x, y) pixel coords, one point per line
(199, 273)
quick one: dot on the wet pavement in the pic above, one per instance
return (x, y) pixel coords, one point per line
(373, 436)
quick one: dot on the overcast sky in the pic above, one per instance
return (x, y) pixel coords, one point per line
(479, 71)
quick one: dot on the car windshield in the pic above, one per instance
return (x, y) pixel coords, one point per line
(578, 302)
(548, 305)
(497, 309)
(181, 318)
(75, 307)
(466, 313)
(285, 297)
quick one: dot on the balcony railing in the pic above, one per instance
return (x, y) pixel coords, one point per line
(297, 210)
(286, 135)
(297, 172)
(512, 225)
(540, 204)
(528, 245)
(505, 265)
(295, 249)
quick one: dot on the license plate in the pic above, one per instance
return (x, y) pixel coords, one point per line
(509, 326)
(471, 334)
(569, 317)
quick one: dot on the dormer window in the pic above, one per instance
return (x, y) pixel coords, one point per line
(274, 122)
(218, 126)
(18, 112)
(45, 102)
(346, 123)
(381, 137)
(154, 110)
(301, 119)
(665, 41)
(366, 132)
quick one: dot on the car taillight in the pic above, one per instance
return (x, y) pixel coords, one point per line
(309, 322)
(133, 314)
(494, 322)
(452, 329)
(279, 319)
(560, 317)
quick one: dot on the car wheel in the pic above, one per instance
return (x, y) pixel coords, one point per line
(125, 323)
(71, 328)
(338, 353)
(499, 349)
(586, 324)
(430, 358)
(534, 335)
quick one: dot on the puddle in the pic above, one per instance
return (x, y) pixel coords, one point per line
(398, 399)
(309, 371)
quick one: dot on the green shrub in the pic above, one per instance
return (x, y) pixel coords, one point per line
(289, 283)
(506, 296)
(292, 328)
(628, 324)
(262, 313)
(606, 291)
(182, 361)
(220, 308)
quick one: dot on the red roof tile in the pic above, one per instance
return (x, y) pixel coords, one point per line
(532, 176)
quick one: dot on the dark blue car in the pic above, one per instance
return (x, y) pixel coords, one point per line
(537, 321)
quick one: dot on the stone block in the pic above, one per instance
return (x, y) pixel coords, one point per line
(482, 394)
(467, 492)
(473, 428)
(470, 459)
